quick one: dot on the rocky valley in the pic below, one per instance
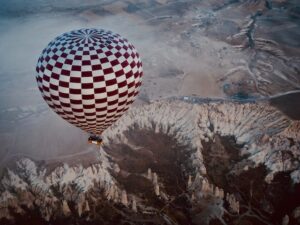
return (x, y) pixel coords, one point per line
(175, 161)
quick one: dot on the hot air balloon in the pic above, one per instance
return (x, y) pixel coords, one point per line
(89, 77)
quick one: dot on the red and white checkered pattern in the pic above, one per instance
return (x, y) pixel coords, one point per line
(89, 77)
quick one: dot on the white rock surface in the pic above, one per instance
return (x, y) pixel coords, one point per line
(264, 131)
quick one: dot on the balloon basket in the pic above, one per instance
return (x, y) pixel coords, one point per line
(96, 140)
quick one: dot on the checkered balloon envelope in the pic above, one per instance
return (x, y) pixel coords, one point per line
(89, 77)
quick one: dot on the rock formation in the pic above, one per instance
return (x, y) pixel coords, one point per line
(149, 174)
(156, 189)
(285, 220)
(124, 199)
(265, 136)
(65, 208)
(134, 208)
